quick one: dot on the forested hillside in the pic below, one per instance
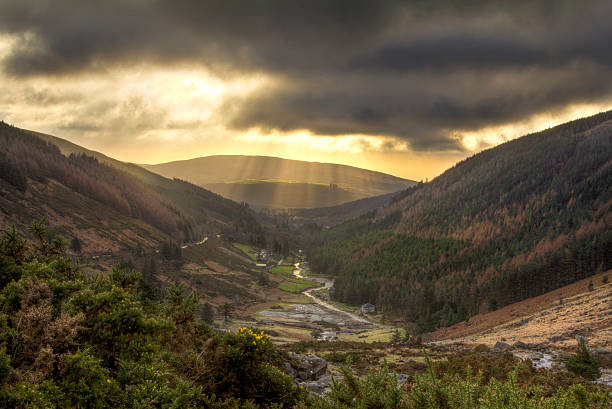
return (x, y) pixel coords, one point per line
(206, 207)
(333, 215)
(105, 203)
(509, 223)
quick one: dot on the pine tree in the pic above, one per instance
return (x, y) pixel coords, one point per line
(584, 363)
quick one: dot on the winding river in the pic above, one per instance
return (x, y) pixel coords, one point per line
(327, 283)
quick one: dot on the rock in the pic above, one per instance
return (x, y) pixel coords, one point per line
(556, 338)
(605, 379)
(400, 377)
(582, 338)
(519, 345)
(501, 346)
(314, 387)
(601, 351)
(290, 370)
(311, 367)
(321, 385)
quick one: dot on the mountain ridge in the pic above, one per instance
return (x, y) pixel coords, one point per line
(272, 181)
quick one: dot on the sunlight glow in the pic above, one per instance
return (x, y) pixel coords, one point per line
(490, 136)
(352, 144)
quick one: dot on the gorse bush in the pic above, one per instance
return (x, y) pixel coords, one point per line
(71, 341)
(467, 391)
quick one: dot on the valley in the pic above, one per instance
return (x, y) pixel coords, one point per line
(463, 270)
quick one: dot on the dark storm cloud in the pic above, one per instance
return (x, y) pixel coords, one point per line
(415, 70)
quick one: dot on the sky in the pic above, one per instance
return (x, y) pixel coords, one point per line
(403, 87)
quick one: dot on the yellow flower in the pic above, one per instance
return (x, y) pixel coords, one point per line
(254, 343)
(108, 381)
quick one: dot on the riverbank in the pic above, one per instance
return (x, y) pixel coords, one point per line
(317, 318)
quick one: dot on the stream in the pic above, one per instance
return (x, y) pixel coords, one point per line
(326, 284)
(318, 313)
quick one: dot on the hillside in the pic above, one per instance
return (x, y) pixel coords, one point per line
(333, 215)
(264, 181)
(107, 204)
(283, 195)
(512, 222)
(206, 207)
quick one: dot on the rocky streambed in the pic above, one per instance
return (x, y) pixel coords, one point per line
(319, 314)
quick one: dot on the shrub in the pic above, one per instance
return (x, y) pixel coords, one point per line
(429, 391)
(86, 383)
(243, 365)
(342, 357)
(583, 363)
(5, 367)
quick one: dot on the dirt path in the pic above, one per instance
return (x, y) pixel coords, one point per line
(199, 243)
(328, 284)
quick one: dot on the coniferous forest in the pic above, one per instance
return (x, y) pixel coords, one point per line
(509, 223)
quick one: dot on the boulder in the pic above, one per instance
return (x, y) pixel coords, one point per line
(314, 387)
(501, 346)
(311, 367)
(519, 345)
(322, 385)
(290, 370)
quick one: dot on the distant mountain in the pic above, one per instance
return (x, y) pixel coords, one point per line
(107, 204)
(512, 222)
(271, 182)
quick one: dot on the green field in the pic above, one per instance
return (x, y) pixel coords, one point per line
(283, 271)
(297, 286)
(246, 249)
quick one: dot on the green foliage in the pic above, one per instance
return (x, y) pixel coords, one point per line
(244, 365)
(509, 223)
(499, 367)
(342, 357)
(246, 249)
(429, 391)
(32, 396)
(297, 286)
(5, 366)
(583, 363)
(85, 382)
(74, 342)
